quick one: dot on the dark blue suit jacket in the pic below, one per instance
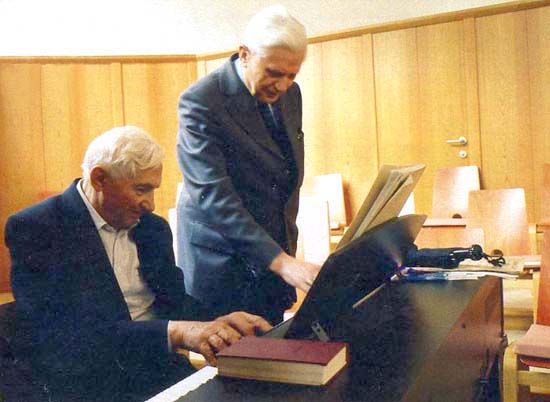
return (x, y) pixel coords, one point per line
(72, 318)
(240, 200)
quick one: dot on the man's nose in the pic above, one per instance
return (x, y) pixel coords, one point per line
(148, 203)
(283, 84)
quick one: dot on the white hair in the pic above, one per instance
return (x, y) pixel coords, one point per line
(274, 27)
(123, 152)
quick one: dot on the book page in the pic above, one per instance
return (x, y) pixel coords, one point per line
(386, 198)
(394, 182)
(394, 204)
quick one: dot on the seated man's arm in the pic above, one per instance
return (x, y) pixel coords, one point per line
(207, 338)
(71, 314)
(73, 322)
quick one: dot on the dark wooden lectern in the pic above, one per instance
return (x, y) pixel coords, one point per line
(427, 341)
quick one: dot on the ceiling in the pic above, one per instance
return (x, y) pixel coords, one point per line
(141, 27)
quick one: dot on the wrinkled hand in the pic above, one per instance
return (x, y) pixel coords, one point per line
(208, 338)
(299, 274)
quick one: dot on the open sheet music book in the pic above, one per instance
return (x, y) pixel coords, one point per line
(386, 198)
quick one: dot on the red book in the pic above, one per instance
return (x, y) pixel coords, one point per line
(283, 360)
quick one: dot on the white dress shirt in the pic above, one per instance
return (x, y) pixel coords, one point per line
(123, 255)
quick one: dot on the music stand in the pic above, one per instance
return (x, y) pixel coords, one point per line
(350, 276)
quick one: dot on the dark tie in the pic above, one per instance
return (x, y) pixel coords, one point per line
(274, 123)
(268, 117)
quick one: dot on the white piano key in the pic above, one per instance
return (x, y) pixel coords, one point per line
(186, 385)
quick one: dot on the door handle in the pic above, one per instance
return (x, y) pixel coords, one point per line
(459, 141)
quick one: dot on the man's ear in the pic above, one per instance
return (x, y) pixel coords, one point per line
(244, 54)
(98, 178)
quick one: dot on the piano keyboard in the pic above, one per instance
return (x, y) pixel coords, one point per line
(186, 385)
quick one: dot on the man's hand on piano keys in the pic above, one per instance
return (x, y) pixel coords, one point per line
(208, 338)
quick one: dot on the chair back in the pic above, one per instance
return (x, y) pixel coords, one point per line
(502, 214)
(409, 207)
(330, 188)
(449, 236)
(313, 230)
(173, 222)
(450, 191)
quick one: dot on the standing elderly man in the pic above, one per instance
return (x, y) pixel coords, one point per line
(100, 302)
(240, 148)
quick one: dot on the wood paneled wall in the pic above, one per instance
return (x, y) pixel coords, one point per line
(395, 96)
(21, 145)
(151, 93)
(339, 117)
(50, 111)
(386, 94)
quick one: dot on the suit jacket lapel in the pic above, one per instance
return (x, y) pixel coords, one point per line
(84, 243)
(81, 230)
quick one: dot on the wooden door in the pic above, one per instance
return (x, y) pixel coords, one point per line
(514, 75)
(426, 94)
(538, 39)
(504, 98)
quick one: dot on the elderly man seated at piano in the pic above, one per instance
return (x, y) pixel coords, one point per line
(100, 303)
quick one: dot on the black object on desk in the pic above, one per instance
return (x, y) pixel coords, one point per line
(423, 341)
(349, 277)
(430, 341)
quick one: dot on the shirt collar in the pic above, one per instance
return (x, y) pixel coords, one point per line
(240, 71)
(99, 222)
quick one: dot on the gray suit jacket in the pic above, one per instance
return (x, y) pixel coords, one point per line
(237, 210)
